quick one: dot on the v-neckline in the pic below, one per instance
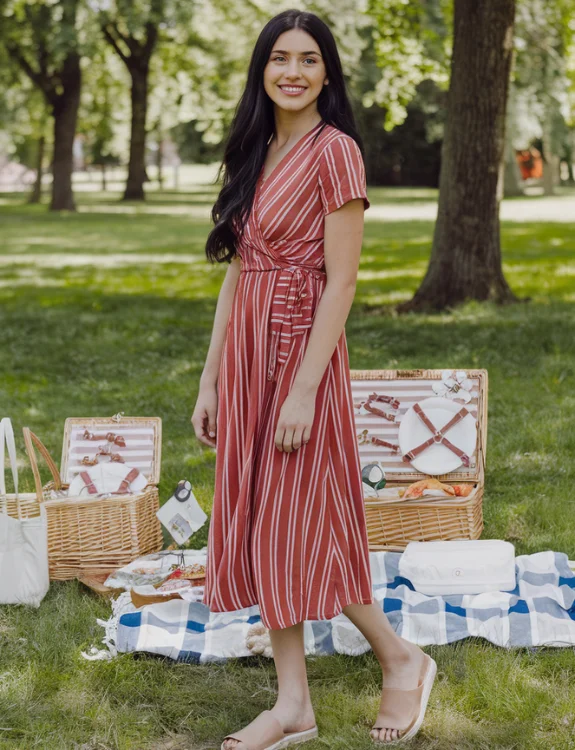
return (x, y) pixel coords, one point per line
(263, 182)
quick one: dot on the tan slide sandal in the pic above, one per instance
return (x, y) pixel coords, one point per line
(395, 700)
(266, 733)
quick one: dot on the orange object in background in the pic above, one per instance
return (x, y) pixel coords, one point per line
(530, 163)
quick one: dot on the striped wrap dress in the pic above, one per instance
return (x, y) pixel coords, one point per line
(287, 530)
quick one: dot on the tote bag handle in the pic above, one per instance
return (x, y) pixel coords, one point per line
(7, 436)
(29, 438)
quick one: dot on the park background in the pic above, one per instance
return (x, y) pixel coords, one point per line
(113, 119)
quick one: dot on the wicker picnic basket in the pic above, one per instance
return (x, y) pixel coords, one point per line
(392, 525)
(88, 537)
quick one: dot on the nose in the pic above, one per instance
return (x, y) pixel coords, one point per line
(293, 69)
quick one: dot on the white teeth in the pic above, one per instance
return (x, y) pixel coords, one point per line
(292, 88)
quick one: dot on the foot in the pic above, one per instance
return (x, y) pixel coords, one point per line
(293, 718)
(402, 673)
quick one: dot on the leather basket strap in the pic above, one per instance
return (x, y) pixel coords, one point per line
(393, 402)
(374, 410)
(89, 483)
(126, 481)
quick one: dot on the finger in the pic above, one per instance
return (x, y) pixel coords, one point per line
(207, 441)
(278, 438)
(211, 425)
(297, 438)
(288, 438)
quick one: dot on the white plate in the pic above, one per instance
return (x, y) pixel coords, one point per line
(107, 477)
(437, 458)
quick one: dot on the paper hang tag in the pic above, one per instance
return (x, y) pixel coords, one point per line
(182, 517)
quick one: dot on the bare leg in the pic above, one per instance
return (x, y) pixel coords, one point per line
(293, 708)
(400, 660)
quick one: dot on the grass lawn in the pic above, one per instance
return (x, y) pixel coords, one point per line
(111, 309)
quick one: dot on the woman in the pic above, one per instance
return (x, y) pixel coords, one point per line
(287, 529)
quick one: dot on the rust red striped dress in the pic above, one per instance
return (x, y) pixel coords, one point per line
(287, 530)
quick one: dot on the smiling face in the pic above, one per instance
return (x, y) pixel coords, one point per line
(295, 73)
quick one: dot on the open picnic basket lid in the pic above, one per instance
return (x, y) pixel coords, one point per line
(397, 393)
(136, 440)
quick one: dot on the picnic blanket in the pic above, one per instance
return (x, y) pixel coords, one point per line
(539, 611)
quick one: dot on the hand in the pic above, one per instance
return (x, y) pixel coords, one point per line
(295, 421)
(205, 414)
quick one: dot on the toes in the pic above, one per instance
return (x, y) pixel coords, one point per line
(380, 735)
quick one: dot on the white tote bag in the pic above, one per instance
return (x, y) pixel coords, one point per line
(24, 577)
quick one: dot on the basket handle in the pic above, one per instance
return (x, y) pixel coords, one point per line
(29, 436)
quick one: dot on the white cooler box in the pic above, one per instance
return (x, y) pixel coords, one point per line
(459, 567)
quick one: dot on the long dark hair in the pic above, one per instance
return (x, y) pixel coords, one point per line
(253, 124)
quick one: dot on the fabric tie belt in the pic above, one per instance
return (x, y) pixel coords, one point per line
(291, 310)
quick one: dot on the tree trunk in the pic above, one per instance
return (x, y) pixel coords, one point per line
(36, 194)
(137, 167)
(466, 254)
(512, 180)
(548, 160)
(160, 159)
(104, 184)
(570, 150)
(65, 112)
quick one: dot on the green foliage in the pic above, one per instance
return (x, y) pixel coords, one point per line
(104, 111)
(544, 70)
(411, 45)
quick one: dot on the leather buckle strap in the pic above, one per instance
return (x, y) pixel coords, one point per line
(122, 489)
(391, 400)
(374, 410)
(89, 483)
(126, 481)
(438, 436)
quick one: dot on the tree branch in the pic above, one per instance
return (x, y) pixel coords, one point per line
(106, 26)
(38, 78)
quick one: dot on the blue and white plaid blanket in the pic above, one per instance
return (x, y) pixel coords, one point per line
(539, 611)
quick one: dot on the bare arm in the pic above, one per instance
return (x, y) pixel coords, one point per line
(210, 372)
(204, 418)
(343, 236)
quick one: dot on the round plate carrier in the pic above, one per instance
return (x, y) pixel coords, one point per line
(437, 458)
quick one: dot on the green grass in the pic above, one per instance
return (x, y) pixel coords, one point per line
(89, 327)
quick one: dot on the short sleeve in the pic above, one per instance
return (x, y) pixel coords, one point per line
(341, 174)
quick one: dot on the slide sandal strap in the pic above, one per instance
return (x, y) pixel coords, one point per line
(398, 701)
(263, 731)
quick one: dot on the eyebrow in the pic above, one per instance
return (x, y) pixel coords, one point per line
(285, 52)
